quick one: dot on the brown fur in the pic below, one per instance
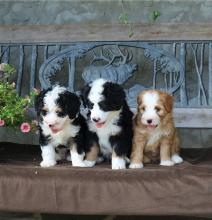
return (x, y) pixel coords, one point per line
(92, 155)
(168, 142)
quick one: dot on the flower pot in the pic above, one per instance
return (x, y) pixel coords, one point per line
(14, 135)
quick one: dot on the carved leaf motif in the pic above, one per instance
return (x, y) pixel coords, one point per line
(79, 50)
(168, 65)
(153, 55)
(52, 68)
(55, 65)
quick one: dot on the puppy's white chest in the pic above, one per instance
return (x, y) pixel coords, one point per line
(66, 134)
(105, 146)
(154, 137)
(104, 135)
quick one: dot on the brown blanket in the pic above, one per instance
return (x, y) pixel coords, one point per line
(184, 189)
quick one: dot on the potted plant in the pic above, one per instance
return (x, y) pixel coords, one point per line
(16, 124)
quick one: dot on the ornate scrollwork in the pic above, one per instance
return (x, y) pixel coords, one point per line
(54, 63)
(153, 55)
(113, 61)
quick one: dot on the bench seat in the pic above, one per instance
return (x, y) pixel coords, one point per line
(184, 189)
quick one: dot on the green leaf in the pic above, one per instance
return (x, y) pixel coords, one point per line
(155, 15)
(9, 69)
(131, 33)
(124, 18)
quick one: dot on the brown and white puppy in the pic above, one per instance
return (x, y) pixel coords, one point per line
(155, 134)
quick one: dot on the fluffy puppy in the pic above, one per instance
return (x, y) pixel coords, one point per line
(60, 123)
(155, 135)
(109, 123)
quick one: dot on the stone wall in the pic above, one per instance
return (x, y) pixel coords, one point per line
(102, 11)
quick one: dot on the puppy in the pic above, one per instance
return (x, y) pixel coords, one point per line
(155, 135)
(109, 123)
(60, 123)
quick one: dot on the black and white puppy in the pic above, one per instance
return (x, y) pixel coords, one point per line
(109, 123)
(60, 123)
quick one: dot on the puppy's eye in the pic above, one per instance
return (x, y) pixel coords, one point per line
(90, 104)
(102, 105)
(44, 112)
(157, 109)
(143, 108)
(60, 113)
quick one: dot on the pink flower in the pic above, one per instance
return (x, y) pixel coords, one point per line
(2, 123)
(25, 127)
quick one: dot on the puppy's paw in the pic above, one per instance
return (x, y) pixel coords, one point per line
(176, 159)
(77, 159)
(89, 163)
(167, 163)
(136, 165)
(78, 164)
(48, 163)
(68, 158)
(118, 163)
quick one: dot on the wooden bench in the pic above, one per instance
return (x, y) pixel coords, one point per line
(154, 57)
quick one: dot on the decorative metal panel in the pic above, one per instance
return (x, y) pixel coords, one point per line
(113, 61)
(184, 69)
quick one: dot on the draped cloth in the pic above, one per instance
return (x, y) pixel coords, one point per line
(184, 189)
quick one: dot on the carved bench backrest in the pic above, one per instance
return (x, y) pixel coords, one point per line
(184, 69)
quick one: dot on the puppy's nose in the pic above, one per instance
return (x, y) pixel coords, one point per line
(149, 121)
(96, 119)
(51, 125)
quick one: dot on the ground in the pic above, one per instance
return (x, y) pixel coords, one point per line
(21, 216)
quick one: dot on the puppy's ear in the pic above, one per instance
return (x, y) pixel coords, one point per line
(70, 103)
(39, 101)
(84, 94)
(168, 102)
(140, 99)
(114, 94)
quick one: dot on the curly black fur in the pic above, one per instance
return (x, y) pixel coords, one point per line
(69, 103)
(39, 100)
(80, 138)
(84, 94)
(114, 97)
(122, 142)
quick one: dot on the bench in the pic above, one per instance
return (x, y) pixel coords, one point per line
(137, 65)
